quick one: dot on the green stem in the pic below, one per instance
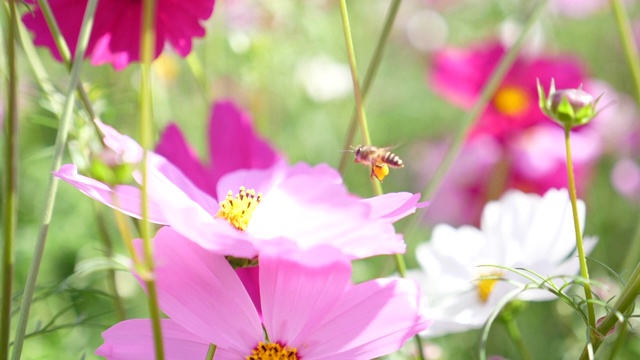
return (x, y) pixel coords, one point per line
(516, 336)
(620, 340)
(10, 208)
(488, 91)
(107, 244)
(61, 140)
(362, 119)
(628, 43)
(211, 352)
(147, 51)
(633, 255)
(584, 270)
(372, 70)
(624, 303)
(63, 49)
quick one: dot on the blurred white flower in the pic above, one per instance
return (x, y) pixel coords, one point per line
(324, 79)
(518, 231)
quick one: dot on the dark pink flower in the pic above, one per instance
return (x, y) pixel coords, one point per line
(233, 145)
(459, 75)
(115, 37)
(309, 306)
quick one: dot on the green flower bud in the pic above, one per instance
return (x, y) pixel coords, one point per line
(568, 107)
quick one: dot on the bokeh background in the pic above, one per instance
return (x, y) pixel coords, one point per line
(285, 62)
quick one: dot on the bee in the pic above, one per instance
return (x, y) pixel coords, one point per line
(379, 159)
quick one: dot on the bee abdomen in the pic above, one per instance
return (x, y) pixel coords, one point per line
(392, 160)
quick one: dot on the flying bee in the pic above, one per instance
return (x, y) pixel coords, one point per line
(379, 159)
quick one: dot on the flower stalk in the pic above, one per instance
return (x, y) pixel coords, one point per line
(10, 194)
(364, 129)
(628, 43)
(60, 143)
(147, 52)
(584, 271)
(370, 75)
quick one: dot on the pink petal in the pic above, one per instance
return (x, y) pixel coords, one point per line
(200, 291)
(297, 290)
(394, 206)
(133, 340)
(233, 144)
(373, 319)
(123, 197)
(173, 147)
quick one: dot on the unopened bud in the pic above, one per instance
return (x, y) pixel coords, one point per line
(568, 107)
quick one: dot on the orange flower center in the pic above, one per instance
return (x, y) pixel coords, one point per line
(239, 209)
(269, 351)
(511, 100)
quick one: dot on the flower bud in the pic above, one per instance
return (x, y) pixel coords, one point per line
(568, 107)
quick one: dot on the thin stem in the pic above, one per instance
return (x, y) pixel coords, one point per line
(584, 271)
(107, 244)
(147, 51)
(372, 70)
(61, 140)
(628, 43)
(10, 208)
(633, 254)
(487, 93)
(65, 54)
(377, 188)
(516, 336)
(211, 352)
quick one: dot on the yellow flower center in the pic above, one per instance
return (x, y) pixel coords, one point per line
(271, 351)
(511, 100)
(485, 284)
(239, 209)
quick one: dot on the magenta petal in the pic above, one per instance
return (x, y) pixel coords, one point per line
(234, 144)
(299, 289)
(123, 197)
(133, 340)
(173, 147)
(200, 291)
(373, 319)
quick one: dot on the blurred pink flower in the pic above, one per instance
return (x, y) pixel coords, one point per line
(577, 8)
(294, 206)
(460, 74)
(115, 37)
(310, 308)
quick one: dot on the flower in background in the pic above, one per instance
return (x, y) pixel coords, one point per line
(115, 37)
(246, 209)
(309, 306)
(577, 8)
(524, 149)
(459, 75)
(518, 231)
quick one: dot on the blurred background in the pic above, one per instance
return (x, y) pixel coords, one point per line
(285, 63)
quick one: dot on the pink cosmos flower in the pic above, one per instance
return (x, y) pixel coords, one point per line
(115, 37)
(310, 308)
(288, 205)
(460, 74)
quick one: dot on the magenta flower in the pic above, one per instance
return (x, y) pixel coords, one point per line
(310, 308)
(233, 145)
(460, 74)
(115, 37)
(295, 206)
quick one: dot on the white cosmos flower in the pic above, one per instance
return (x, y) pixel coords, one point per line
(518, 231)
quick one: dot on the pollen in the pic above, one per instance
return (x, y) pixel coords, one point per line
(380, 171)
(272, 351)
(511, 100)
(239, 209)
(486, 283)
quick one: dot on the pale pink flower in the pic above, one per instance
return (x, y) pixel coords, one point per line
(300, 206)
(309, 306)
(115, 37)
